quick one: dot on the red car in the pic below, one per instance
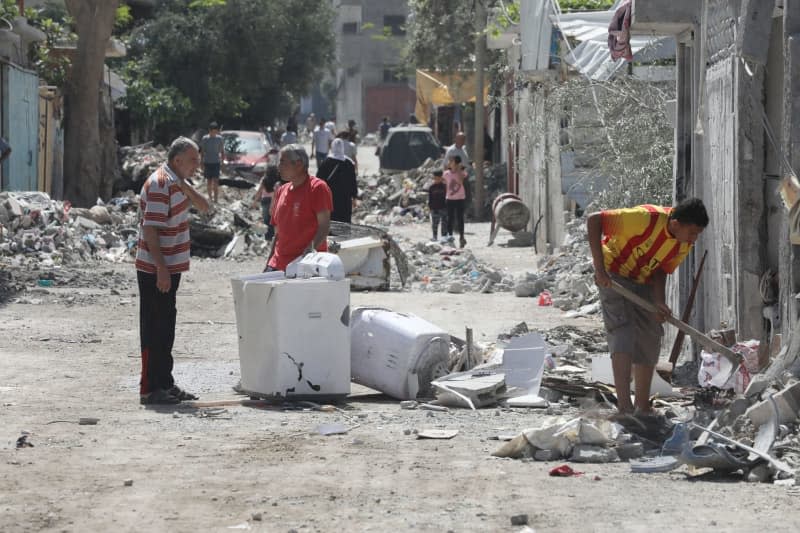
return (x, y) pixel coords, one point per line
(248, 152)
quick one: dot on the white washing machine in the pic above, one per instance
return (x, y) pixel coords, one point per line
(294, 336)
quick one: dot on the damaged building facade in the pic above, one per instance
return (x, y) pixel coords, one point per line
(736, 138)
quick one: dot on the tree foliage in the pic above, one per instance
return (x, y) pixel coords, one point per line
(441, 34)
(242, 62)
(585, 5)
(626, 132)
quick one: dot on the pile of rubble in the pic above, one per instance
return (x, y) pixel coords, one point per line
(402, 197)
(397, 198)
(567, 276)
(35, 230)
(746, 429)
(137, 163)
(439, 267)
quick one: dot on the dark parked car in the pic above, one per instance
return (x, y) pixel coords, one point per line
(407, 147)
(247, 152)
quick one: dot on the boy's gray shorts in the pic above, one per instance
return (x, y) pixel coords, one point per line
(631, 329)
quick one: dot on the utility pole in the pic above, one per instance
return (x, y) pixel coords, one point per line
(480, 60)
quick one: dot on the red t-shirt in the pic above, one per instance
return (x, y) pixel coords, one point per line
(294, 214)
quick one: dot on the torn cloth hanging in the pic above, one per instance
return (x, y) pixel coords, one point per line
(619, 33)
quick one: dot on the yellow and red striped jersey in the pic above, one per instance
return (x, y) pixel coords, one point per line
(636, 242)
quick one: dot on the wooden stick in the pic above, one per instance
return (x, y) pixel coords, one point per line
(704, 341)
(227, 403)
(676, 347)
(470, 363)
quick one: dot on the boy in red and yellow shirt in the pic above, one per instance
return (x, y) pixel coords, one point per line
(637, 247)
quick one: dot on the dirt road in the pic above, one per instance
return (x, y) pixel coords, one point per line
(72, 352)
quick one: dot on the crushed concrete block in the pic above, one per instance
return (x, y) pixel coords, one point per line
(519, 520)
(525, 289)
(456, 287)
(546, 455)
(587, 453)
(100, 214)
(630, 450)
(788, 402)
(14, 208)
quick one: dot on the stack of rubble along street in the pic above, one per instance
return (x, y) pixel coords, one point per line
(566, 277)
(41, 238)
(402, 197)
(439, 267)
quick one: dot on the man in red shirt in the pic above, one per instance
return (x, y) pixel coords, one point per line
(301, 210)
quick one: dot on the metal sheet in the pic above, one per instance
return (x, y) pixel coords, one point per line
(20, 127)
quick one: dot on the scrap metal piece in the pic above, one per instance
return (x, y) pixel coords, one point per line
(437, 433)
(777, 463)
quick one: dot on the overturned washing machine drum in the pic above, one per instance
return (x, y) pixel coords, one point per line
(398, 354)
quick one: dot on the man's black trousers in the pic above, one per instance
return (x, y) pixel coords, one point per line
(157, 313)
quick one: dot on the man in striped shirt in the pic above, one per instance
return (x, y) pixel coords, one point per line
(162, 255)
(637, 248)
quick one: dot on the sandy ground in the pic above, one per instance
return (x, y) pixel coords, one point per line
(74, 354)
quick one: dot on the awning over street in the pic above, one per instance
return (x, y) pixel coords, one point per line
(444, 88)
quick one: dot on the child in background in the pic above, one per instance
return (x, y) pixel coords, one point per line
(264, 195)
(437, 194)
(456, 197)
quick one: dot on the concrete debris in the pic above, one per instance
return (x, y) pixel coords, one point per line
(567, 274)
(587, 453)
(787, 402)
(402, 197)
(471, 389)
(438, 267)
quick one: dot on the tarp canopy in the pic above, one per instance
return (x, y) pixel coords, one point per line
(592, 58)
(444, 88)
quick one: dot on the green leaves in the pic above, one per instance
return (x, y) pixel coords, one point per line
(206, 3)
(619, 129)
(585, 5)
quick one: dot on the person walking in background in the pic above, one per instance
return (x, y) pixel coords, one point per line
(5, 149)
(288, 137)
(437, 203)
(456, 195)
(263, 196)
(350, 149)
(352, 131)
(213, 151)
(321, 142)
(458, 149)
(161, 257)
(311, 123)
(383, 129)
(339, 172)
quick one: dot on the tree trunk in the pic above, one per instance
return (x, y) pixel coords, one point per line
(84, 178)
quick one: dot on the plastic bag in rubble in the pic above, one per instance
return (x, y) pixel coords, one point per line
(749, 351)
(715, 369)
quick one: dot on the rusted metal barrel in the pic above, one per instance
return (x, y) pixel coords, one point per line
(510, 213)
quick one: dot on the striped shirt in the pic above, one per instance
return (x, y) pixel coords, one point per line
(637, 242)
(163, 205)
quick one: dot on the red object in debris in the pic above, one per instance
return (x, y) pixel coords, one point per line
(564, 471)
(545, 298)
